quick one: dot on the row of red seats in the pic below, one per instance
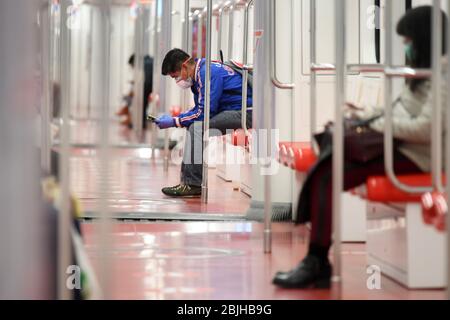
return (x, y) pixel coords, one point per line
(300, 156)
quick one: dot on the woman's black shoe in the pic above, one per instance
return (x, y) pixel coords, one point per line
(311, 273)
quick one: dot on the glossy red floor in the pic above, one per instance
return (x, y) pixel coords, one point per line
(222, 261)
(196, 260)
(135, 179)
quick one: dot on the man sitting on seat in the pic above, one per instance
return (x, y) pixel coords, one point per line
(226, 112)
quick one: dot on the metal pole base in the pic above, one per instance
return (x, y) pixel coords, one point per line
(267, 241)
(336, 279)
(166, 164)
(204, 194)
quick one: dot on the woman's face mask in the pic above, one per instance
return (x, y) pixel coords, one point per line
(409, 51)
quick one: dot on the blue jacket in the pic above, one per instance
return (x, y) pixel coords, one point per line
(226, 92)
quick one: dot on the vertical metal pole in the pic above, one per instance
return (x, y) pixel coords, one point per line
(245, 72)
(105, 221)
(51, 62)
(166, 40)
(89, 63)
(64, 218)
(156, 76)
(186, 43)
(447, 170)
(388, 141)
(269, 23)
(138, 100)
(313, 75)
(338, 141)
(219, 35)
(46, 46)
(207, 102)
(200, 36)
(26, 269)
(79, 40)
(187, 31)
(436, 81)
(230, 32)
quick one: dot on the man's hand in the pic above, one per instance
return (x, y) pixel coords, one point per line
(165, 122)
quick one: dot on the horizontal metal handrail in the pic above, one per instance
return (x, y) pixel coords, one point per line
(273, 61)
(367, 68)
(406, 72)
(322, 67)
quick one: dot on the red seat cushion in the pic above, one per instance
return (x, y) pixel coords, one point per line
(299, 156)
(239, 138)
(441, 208)
(381, 189)
(428, 208)
(435, 210)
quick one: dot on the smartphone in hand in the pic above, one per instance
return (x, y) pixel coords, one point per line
(152, 118)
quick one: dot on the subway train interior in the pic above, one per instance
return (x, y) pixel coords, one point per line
(224, 150)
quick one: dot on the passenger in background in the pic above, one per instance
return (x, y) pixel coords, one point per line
(148, 88)
(226, 112)
(411, 125)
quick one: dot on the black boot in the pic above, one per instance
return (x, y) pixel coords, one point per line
(312, 272)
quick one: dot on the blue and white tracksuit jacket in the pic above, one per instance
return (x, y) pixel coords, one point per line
(226, 92)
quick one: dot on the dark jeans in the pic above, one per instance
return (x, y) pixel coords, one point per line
(315, 204)
(192, 166)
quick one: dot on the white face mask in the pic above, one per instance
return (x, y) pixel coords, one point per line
(185, 84)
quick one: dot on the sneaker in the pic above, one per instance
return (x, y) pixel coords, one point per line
(183, 191)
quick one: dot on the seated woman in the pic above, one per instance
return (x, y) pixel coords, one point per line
(412, 126)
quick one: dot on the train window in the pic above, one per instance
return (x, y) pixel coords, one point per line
(408, 4)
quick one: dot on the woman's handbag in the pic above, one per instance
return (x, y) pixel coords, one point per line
(361, 143)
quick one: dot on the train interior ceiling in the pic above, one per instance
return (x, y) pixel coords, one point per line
(101, 173)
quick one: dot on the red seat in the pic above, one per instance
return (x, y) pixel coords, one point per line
(428, 207)
(435, 210)
(381, 189)
(299, 156)
(239, 138)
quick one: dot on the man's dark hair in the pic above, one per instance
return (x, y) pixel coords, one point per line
(173, 61)
(131, 60)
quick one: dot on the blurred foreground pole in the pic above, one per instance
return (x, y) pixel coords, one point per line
(26, 267)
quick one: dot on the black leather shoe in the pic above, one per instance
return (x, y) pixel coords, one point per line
(310, 273)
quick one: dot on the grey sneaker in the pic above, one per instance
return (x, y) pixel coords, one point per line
(183, 191)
